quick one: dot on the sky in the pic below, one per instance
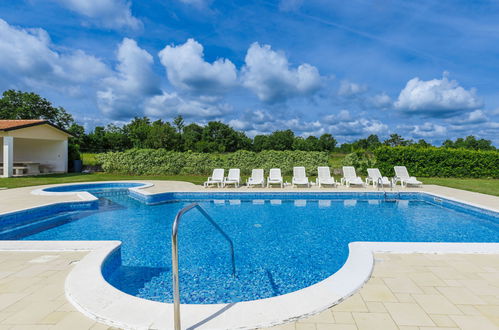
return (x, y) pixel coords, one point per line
(424, 69)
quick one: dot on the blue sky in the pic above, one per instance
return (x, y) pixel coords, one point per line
(424, 69)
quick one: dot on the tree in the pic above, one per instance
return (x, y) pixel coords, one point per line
(22, 105)
(470, 142)
(78, 133)
(422, 144)
(281, 140)
(115, 138)
(137, 131)
(299, 143)
(162, 135)
(192, 134)
(327, 142)
(261, 142)
(396, 140)
(179, 124)
(220, 137)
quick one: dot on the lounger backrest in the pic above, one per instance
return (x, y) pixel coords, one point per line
(218, 174)
(401, 172)
(349, 172)
(373, 173)
(234, 174)
(299, 172)
(275, 173)
(257, 174)
(323, 172)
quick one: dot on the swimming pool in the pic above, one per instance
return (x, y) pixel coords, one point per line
(283, 242)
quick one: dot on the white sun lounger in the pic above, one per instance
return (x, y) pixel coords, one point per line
(299, 177)
(374, 176)
(256, 178)
(324, 177)
(216, 178)
(405, 179)
(234, 177)
(350, 177)
(275, 177)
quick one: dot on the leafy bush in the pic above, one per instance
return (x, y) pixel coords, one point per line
(163, 162)
(361, 160)
(439, 162)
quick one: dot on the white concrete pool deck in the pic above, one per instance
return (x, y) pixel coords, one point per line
(21, 198)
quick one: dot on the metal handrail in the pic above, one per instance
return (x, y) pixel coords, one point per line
(175, 280)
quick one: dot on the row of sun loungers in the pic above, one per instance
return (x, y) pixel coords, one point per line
(300, 178)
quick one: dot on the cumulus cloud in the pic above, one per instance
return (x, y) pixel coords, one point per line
(268, 74)
(131, 83)
(426, 130)
(29, 59)
(113, 14)
(188, 71)
(436, 98)
(381, 101)
(359, 127)
(349, 89)
(473, 118)
(343, 115)
(172, 104)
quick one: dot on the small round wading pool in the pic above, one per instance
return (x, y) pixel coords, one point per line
(94, 187)
(283, 242)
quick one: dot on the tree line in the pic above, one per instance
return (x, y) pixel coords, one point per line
(177, 135)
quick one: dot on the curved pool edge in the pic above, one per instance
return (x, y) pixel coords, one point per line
(92, 295)
(108, 305)
(43, 192)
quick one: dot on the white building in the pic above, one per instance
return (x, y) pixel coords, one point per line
(30, 147)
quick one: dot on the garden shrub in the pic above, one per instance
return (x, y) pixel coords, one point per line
(163, 162)
(361, 160)
(439, 162)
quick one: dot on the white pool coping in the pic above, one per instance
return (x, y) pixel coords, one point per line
(92, 295)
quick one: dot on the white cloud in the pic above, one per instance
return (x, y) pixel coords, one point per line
(381, 101)
(171, 104)
(473, 118)
(349, 89)
(359, 127)
(343, 115)
(28, 59)
(188, 71)
(125, 91)
(436, 98)
(429, 130)
(114, 14)
(268, 75)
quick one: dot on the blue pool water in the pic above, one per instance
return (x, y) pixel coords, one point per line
(281, 245)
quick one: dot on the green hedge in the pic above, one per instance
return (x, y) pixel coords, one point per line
(439, 162)
(162, 162)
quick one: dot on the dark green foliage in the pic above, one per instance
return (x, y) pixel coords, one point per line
(470, 142)
(439, 162)
(22, 105)
(163, 162)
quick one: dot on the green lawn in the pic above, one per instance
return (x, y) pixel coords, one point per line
(78, 177)
(486, 186)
